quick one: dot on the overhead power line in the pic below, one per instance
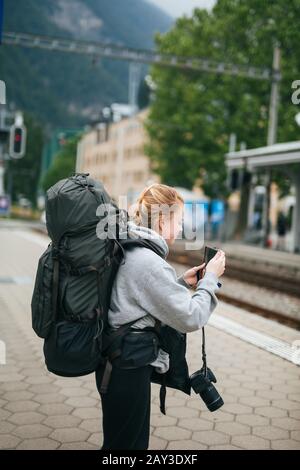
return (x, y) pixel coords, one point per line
(113, 51)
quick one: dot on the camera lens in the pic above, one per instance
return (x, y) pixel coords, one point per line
(211, 398)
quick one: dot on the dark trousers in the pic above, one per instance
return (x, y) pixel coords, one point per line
(126, 408)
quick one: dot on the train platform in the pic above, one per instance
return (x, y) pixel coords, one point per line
(256, 362)
(280, 260)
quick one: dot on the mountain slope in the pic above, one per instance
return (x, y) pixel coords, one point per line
(63, 89)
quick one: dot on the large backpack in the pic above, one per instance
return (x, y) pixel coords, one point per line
(75, 275)
(73, 286)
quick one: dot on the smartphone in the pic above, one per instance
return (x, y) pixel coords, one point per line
(209, 253)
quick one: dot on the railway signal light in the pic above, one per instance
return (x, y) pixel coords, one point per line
(17, 141)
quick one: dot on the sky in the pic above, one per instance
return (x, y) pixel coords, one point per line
(177, 8)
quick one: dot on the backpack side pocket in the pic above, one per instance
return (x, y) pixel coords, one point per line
(41, 302)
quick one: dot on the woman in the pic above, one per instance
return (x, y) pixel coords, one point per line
(146, 287)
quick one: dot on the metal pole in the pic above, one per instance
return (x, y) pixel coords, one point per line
(274, 99)
(2, 163)
(2, 169)
(134, 78)
(272, 134)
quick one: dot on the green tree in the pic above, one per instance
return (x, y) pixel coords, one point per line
(193, 113)
(63, 165)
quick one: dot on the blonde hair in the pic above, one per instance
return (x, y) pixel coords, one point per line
(153, 202)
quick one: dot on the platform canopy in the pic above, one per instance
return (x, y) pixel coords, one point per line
(272, 155)
(276, 155)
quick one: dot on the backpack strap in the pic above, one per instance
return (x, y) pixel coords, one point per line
(108, 341)
(55, 283)
(163, 387)
(162, 394)
(143, 242)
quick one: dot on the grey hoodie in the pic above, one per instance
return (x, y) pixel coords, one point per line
(147, 286)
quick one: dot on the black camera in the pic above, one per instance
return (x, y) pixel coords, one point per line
(201, 382)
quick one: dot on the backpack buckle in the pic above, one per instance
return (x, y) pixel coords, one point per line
(75, 318)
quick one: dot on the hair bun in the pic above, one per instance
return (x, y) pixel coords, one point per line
(152, 196)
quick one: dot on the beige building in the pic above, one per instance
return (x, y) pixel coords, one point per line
(118, 158)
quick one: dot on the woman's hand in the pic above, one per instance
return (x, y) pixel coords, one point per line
(190, 275)
(217, 264)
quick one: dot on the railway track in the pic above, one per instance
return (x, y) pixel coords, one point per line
(263, 312)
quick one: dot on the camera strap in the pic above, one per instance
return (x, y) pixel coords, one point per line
(204, 352)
